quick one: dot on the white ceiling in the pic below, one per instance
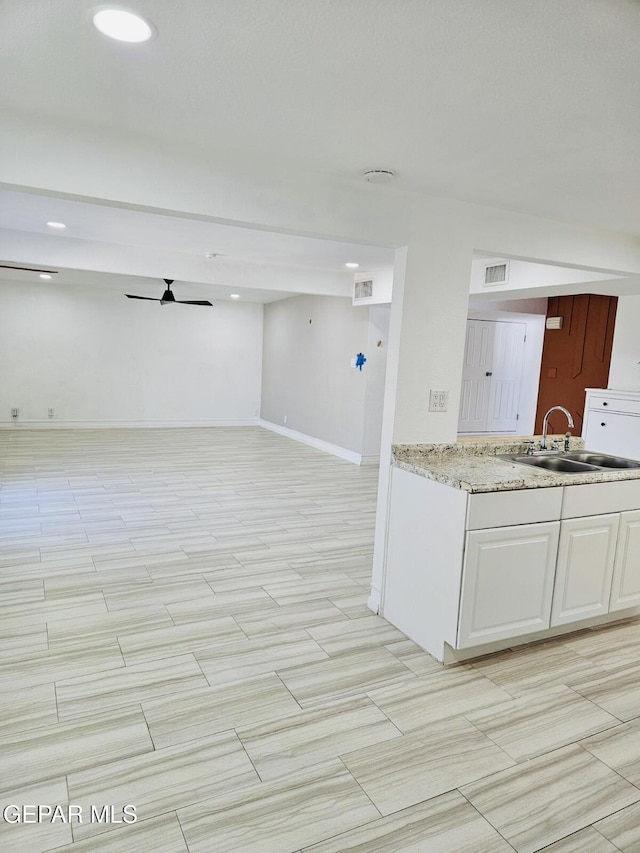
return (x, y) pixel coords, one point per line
(528, 105)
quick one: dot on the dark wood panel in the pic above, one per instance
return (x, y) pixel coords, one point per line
(575, 357)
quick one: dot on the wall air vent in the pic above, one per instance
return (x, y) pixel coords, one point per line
(496, 274)
(363, 289)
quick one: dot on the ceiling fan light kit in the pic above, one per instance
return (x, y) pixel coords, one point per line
(168, 298)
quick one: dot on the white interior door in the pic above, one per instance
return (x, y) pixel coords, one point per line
(476, 376)
(491, 376)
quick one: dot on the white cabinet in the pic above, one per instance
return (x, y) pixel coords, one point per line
(625, 589)
(507, 582)
(584, 572)
(612, 422)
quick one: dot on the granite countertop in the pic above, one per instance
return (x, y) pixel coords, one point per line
(472, 465)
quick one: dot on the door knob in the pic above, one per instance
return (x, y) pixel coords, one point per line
(488, 373)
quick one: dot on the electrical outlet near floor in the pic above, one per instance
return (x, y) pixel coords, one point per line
(438, 401)
(15, 413)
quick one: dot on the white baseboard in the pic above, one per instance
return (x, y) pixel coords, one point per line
(56, 424)
(334, 449)
(373, 602)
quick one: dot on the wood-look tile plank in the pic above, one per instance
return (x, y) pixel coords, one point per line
(587, 840)
(550, 797)
(33, 837)
(541, 722)
(311, 736)
(415, 702)
(194, 637)
(370, 631)
(535, 666)
(107, 626)
(70, 746)
(165, 779)
(617, 691)
(622, 829)
(27, 708)
(618, 748)
(252, 602)
(437, 758)
(128, 685)
(282, 815)
(64, 661)
(233, 660)
(444, 824)
(305, 614)
(347, 675)
(162, 834)
(197, 713)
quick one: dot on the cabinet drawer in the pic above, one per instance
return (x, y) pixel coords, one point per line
(524, 506)
(614, 404)
(600, 498)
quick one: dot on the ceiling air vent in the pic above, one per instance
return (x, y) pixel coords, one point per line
(496, 274)
(363, 289)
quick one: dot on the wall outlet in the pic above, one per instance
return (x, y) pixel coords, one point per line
(50, 413)
(438, 401)
(15, 413)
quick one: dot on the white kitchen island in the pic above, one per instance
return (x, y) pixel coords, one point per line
(484, 554)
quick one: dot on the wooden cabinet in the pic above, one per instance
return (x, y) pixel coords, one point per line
(507, 582)
(625, 588)
(584, 572)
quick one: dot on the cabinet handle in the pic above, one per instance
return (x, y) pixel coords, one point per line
(603, 423)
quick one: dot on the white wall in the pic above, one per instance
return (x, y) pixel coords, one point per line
(307, 376)
(533, 313)
(624, 373)
(94, 356)
(376, 352)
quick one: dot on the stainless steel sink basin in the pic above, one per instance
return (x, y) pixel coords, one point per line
(579, 462)
(554, 463)
(602, 460)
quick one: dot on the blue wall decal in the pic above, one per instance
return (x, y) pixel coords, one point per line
(360, 360)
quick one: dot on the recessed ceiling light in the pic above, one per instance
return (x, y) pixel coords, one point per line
(122, 25)
(44, 275)
(56, 225)
(352, 265)
(234, 296)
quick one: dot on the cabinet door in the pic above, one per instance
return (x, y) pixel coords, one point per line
(613, 432)
(585, 567)
(507, 583)
(625, 589)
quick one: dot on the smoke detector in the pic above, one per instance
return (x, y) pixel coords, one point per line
(378, 176)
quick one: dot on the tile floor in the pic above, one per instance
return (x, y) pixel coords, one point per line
(183, 628)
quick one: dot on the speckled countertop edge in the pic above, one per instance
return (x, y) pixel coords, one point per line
(474, 466)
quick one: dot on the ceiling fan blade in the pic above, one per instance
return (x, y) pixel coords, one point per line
(28, 269)
(148, 298)
(194, 302)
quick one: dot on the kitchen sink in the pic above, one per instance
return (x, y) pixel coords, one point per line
(602, 460)
(554, 463)
(579, 462)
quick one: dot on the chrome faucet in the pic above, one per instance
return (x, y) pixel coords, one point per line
(545, 423)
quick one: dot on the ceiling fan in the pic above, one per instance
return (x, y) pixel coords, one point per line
(167, 297)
